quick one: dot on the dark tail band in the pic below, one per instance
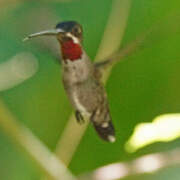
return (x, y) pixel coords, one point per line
(105, 130)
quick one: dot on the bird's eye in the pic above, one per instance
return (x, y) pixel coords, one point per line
(77, 30)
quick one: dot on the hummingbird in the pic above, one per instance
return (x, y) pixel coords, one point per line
(81, 79)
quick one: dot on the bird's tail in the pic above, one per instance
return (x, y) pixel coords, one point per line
(105, 130)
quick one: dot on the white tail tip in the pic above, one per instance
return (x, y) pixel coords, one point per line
(111, 138)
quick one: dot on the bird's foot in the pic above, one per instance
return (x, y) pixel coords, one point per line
(79, 117)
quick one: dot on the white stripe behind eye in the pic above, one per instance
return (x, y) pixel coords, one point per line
(75, 39)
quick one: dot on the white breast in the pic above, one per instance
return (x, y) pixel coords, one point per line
(79, 106)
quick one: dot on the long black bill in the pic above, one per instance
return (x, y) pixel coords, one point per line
(52, 32)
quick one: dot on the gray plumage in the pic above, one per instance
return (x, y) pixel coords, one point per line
(87, 94)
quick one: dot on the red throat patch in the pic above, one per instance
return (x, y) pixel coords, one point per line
(71, 50)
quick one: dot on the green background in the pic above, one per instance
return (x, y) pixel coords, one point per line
(143, 86)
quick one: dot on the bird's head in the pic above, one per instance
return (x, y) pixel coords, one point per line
(69, 30)
(69, 34)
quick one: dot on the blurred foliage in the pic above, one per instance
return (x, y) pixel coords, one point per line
(143, 86)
